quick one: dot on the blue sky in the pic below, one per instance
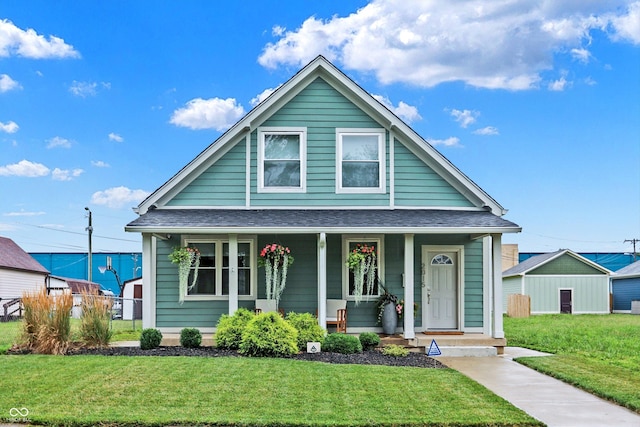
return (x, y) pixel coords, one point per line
(537, 102)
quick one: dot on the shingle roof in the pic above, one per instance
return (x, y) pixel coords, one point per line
(629, 270)
(315, 220)
(531, 263)
(12, 256)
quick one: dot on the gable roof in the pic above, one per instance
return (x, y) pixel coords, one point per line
(537, 261)
(321, 67)
(631, 270)
(14, 257)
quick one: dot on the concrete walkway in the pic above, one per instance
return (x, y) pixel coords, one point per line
(551, 401)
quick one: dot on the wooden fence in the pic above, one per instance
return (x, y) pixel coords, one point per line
(518, 305)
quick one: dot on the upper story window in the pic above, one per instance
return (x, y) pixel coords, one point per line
(282, 159)
(360, 161)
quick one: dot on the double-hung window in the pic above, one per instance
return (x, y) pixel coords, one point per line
(360, 161)
(349, 243)
(282, 159)
(214, 269)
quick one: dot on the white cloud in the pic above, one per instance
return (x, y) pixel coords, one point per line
(489, 130)
(464, 117)
(213, 113)
(581, 55)
(558, 85)
(262, 96)
(29, 44)
(83, 89)
(65, 174)
(496, 45)
(406, 112)
(7, 83)
(24, 213)
(449, 142)
(58, 141)
(117, 197)
(25, 168)
(9, 127)
(115, 137)
(100, 164)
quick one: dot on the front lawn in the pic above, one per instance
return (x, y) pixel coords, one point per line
(598, 353)
(90, 390)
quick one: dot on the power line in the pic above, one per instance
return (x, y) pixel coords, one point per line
(633, 242)
(77, 232)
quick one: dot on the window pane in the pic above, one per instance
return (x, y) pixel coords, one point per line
(207, 254)
(206, 284)
(360, 174)
(282, 173)
(244, 270)
(282, 147)
(244, 282)
(352, 246)
(360, 147)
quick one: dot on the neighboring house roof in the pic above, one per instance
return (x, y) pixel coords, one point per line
(542, 259)
(331, 220)
(321, 67)
(632, 270)
(13, 257)
(79, 286)
(135, 279)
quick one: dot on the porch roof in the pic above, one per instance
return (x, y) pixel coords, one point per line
(290, 221)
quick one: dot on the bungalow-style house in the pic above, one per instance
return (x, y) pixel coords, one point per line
(320, 167)
(19, 272)
(559, 282)
(625, 287)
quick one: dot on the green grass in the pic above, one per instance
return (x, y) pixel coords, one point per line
(598, 353)
(90, 390)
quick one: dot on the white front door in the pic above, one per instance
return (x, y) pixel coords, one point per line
(440, 296)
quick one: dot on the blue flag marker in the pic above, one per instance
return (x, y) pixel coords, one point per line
(434, 350)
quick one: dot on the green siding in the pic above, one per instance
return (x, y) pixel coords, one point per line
(416, 184)
(566, 264)
(511, 285)
(590, 293)
(222, 184)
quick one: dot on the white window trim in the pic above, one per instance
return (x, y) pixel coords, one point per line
(219, 240)
(357, 238)
(302, 132)
(381, 134)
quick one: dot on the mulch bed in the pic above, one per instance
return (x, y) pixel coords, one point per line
(372, 357)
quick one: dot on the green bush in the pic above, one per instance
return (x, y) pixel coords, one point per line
(190, 338)
(395, 350)
(269, 335)
(230, 328)
(150, 338)
(308, 328)
(369, 340)
(342, 343)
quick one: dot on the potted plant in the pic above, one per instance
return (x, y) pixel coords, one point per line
(389, 308)
(362, 262)
(186, 257)
(276, 260)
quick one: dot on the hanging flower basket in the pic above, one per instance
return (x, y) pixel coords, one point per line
(362, 262)
(276, 260)
(186, 258)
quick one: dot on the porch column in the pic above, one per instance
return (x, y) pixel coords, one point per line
(409, 332)
(498, 330)
(233, 273)
(322, 280)
(148, 281)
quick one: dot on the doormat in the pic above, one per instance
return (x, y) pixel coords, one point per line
(443, 332)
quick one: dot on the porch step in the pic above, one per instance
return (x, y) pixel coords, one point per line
(467, 351)
(398, 340)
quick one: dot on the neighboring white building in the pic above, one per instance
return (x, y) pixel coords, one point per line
(19, 272)
(132, 296)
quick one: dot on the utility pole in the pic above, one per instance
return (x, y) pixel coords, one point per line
(633, 242)
(90, 230)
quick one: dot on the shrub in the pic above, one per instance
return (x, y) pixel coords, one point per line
(342, 343)
(230, 328)
(94, 320)
(369, 340)
(47, 322)
(395, 350)
(269, 335)
(150, 338)
(190, 338)
(308, 328)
